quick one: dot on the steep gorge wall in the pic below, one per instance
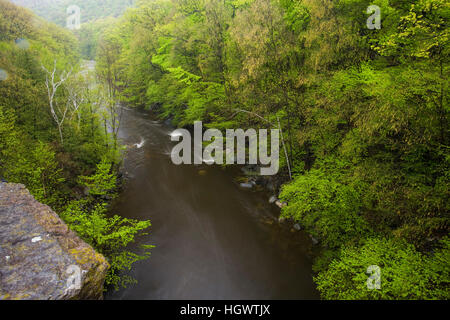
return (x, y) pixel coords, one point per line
(40, 257)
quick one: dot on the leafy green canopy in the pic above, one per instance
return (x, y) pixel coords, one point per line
(405, 272)
(31, 151)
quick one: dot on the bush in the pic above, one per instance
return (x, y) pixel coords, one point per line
(405, 272)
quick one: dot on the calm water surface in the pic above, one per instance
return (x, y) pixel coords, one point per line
(213, 240)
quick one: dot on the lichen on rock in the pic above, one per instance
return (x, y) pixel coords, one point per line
(40, 255)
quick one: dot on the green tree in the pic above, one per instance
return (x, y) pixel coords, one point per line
(109, 235)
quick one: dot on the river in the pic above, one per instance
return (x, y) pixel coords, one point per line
(213, 240)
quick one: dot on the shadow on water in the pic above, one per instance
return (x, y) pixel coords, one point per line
(213, 240)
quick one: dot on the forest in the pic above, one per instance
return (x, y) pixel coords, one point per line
(56, 10)
(94, 17)
(364, 113)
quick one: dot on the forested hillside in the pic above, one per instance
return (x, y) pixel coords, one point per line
(364, 113)
(53, 133)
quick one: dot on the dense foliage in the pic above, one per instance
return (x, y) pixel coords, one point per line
(56, 10)
(364, 113)
(89, 35)
(52, 136)
(95, 16)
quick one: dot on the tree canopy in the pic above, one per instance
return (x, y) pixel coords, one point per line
(364, 112)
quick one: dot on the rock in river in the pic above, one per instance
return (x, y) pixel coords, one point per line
(40, 257)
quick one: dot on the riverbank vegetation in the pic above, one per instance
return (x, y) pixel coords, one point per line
(54, 136)
(364, 113)
(56, 10)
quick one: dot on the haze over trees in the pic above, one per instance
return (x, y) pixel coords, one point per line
(364, 113)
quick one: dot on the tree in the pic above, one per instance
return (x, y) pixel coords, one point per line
(43, 176)
(103, 182)
(109, 235)
(364, 113)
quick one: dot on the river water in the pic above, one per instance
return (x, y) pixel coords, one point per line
(213, 240)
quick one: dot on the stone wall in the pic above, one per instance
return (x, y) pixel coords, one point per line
(40, 257)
